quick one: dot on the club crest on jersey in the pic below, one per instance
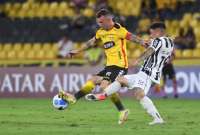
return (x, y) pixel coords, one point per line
(108, 73)
(155, 43)
(108, 45)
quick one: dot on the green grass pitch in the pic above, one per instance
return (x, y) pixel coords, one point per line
(38, 117)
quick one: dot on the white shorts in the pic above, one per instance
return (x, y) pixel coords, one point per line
(141, 80)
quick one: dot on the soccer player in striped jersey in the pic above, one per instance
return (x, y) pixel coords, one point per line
(158, 52)
(113, 36)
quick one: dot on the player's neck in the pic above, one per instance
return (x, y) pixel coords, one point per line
(110, 26)
(160, 35)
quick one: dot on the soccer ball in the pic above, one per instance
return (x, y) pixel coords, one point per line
(59, 103)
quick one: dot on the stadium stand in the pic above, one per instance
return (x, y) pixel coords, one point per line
(30, 29)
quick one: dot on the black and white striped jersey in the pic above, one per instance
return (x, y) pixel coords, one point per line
(153, 65)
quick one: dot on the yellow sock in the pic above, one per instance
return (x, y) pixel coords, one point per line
(114, 97)
(88, 87)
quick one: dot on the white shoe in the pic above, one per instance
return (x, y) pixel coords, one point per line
(157, 121)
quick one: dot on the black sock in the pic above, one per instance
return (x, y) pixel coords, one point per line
(79, 95)
(119, 105)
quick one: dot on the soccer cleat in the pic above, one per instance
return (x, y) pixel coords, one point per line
(95, 97)
(157, 121)
(66, 96)
(123, 116)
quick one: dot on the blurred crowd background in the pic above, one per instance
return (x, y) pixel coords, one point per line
(41, 32)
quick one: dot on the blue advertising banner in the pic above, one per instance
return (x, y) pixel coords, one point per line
(188, 82)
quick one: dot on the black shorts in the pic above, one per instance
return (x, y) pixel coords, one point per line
(110, 73)
(168, 71)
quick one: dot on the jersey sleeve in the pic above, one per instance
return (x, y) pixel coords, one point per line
(123, 33)
(155, 44)
(97, 36)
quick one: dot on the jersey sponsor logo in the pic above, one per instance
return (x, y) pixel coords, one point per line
(108, 45)
(155, 43)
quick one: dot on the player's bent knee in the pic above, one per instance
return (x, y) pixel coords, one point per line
(139, 93)
(104, 84)
(102, 87)
(122, 80)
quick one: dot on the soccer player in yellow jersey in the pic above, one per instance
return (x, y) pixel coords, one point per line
(113, 36)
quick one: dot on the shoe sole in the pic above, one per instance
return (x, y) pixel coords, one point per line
(90, 97)
(157, 123)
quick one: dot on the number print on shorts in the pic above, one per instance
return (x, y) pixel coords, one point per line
(121, 73)
(141, 82)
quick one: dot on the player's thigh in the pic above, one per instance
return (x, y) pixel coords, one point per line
(139, 93)
(100, 76)
(113, 72)
(104, 84)
(130, 80)
(109, 74)
(139, 80)
(172, 74)
(122, 80)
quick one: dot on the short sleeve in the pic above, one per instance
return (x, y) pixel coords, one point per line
(123, 32)
(97, 35)
(155, 44)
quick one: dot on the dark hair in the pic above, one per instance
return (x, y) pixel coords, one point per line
(103, 12)
(156, 25)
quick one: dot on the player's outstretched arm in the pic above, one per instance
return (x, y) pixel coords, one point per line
(134, 38)
(89, 44)
(149, 51)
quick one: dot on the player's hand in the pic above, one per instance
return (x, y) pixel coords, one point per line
(146, 43)
(73, 52)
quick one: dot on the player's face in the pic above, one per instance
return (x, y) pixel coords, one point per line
(104, 22)
(155, 33)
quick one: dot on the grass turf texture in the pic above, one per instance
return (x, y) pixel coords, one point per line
(38, 117)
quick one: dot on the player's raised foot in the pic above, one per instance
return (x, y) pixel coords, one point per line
(157, 121)
(123, 116)
(95, 97)
(66, 96)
